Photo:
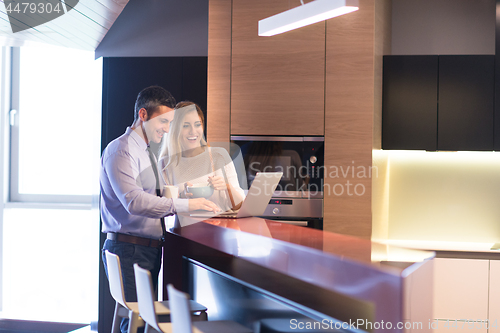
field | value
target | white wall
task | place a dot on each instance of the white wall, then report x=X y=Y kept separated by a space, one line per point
x=443 y=27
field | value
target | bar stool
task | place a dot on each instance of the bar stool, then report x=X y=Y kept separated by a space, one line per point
x=124 y=309
x=179 y=305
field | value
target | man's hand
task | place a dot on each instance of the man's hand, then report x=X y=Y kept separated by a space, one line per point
x=204 y=204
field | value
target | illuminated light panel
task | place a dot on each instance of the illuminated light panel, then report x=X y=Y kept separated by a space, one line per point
x=438 y=197
x=422 y=156
x=312 y=12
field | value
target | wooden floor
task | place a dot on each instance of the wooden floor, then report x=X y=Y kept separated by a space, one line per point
x=23 y=326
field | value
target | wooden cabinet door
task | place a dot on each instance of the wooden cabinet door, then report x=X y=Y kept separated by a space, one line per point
x=409 y=107
x=277 y=82
x=466 y=102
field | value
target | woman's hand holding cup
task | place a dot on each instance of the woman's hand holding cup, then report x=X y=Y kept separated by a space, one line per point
x=217 y=182
x=185 y=193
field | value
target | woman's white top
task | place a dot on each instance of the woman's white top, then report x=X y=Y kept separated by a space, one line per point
x=198 y=168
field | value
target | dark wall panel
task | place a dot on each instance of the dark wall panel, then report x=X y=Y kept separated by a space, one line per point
x=194 y=82
x=123 y=79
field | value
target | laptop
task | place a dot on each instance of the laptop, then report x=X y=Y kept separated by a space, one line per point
x=256 y=200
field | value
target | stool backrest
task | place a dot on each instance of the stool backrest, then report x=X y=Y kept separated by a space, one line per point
x=115 y=278
x=180 y=313
x=145 y=296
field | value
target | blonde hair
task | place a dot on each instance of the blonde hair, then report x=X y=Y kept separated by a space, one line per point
x=171 y=147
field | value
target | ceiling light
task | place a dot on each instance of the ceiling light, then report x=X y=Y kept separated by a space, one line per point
x=312 y=12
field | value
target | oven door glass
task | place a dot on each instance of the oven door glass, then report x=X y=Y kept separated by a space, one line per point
x=300 y=161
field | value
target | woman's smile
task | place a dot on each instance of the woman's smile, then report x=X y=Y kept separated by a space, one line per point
x=192 y=131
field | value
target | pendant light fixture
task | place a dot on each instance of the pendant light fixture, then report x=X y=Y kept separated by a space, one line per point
x=312 y=12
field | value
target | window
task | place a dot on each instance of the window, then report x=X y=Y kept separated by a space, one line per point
x=49 y=223
x=55 y=124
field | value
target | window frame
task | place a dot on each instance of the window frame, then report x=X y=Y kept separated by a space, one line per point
x=14 y=197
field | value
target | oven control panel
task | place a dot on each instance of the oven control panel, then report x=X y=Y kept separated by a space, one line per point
x=281 y=202
x=313 y=158
x=294 y=208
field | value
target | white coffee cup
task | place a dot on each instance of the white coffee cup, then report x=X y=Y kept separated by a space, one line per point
x=171 y=192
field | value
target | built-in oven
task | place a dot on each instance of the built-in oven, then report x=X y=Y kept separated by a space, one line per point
x=298 y=199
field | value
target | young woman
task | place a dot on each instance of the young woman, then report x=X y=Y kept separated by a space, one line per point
x=186 y=158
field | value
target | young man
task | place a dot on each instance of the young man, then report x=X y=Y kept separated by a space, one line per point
x=130 y=208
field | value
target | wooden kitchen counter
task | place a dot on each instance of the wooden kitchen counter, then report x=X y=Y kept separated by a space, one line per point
x=273 y=269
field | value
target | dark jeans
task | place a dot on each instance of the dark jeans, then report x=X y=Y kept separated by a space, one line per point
x=147 y=257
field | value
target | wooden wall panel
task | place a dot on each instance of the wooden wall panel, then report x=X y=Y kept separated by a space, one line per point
x=349 y=121
x=323 y=79
x=277 y=85
x=380 y=184
x=219 y=70
x=383 y=14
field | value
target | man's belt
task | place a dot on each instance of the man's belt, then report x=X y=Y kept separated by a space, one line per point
x=135 y=239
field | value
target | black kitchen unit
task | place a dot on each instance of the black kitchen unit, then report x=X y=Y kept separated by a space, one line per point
x=409 y=109
x=123 y=79
x=438 y=102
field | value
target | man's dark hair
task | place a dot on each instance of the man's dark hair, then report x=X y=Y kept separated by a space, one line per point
x=151 y=98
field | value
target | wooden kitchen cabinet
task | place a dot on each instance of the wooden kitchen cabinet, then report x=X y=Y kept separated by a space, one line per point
x=321 y=80
x=278 y=82
x=438 y=102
